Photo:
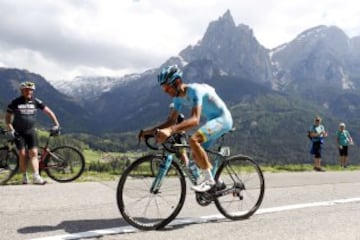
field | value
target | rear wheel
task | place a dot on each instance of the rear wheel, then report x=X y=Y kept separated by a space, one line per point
x=9 y=164
x=244 y=190
x=65 y=164
x=147 y=210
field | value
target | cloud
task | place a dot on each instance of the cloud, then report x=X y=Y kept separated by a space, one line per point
x=59 y=39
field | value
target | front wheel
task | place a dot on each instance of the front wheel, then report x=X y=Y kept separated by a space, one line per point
x=9 y=164
x=146 y=209
x=244 y=190
x=64 y=164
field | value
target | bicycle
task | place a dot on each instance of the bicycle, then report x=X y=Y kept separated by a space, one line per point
x=149 y=198
x=62 y=164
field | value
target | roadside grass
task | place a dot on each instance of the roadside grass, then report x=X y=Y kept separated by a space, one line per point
x=305 y=167
x=109 y=166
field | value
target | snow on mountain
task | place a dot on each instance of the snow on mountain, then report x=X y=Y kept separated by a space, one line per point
x=90 y=87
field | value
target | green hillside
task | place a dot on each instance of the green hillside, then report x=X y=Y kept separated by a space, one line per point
x=270 y=127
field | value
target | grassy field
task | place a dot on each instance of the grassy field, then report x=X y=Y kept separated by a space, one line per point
x=108 y=166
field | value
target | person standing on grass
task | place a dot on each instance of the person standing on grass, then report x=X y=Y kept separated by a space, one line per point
x=20 y=120
x=317 y=134
x=343 y=140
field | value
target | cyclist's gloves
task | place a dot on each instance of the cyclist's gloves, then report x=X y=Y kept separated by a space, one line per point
x=11 y=134
x=55 y=130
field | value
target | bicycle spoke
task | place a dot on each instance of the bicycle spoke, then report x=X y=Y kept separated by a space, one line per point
x=65 y=164
x=140 y=207
x=245 y=182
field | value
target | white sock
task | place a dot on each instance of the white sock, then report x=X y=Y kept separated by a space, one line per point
x=36 y=175
x=207 y=175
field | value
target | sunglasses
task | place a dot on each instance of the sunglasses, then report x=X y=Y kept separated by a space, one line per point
x=167 y=87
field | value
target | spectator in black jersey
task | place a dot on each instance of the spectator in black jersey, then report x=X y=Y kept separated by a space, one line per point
x=20 y=119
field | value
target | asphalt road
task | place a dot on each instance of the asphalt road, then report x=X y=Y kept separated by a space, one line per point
x=307 y=205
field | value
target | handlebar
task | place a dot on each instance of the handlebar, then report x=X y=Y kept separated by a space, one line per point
x=54 y=132
x=169 y=145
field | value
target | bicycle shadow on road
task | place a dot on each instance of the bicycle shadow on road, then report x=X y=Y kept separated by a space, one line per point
x=76 y=226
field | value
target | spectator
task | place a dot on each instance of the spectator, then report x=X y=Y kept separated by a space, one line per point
x=20 y=120
x=317 y=134
x=343 y=140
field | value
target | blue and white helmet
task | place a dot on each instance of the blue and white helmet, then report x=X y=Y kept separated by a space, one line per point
x=169 y=74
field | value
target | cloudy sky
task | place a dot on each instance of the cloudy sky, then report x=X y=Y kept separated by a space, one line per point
x=67 y=38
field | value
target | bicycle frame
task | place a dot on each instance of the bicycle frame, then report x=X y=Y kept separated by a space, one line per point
x=170 y=157
x=43 y=152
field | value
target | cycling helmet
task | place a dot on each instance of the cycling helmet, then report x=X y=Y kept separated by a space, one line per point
x=169 y=74
x=29 y=85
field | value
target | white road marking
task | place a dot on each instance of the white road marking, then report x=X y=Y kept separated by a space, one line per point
x=203 y=219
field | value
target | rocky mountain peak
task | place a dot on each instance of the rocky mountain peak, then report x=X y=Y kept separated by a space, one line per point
x=232 y=49
x=320 y=53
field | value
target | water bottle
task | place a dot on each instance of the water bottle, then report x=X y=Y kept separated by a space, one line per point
x=194 y=170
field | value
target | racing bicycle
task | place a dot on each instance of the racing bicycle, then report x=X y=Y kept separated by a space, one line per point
x=152 y=190
x=63 y=163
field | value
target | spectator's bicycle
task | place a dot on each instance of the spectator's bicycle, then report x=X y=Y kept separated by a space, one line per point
x=63 y=163
x=151 y=192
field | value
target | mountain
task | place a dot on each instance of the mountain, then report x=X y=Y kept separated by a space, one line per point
x=273 y=94
x=233 y=49
x=71 y=116
x=318 y=56
x=90 y=87
x=228 y=57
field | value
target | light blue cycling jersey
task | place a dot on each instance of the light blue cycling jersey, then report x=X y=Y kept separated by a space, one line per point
x=202 y=95
x=219 y=120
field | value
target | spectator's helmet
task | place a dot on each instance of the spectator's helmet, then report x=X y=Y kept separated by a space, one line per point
x=27 y=85
x=168 y=75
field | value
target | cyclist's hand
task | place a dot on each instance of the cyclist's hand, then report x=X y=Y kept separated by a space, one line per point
x=55 y=130
x=163 y=134
x=11 y=134
x=143 y=133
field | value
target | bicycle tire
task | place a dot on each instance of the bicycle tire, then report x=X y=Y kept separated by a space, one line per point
x=8 y=157
x=245 y=187
x=59 y=164
x=141 y=208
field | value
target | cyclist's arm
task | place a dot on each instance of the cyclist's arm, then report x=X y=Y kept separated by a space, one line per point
x=8 y=121
x=189 y=123
x=52 y=115
x=171 y=120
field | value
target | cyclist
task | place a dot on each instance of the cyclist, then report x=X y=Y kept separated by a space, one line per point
x=20 y=120
x=203 y=101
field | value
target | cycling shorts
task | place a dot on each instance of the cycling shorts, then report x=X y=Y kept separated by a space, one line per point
x=26 y=140
x=343 y=151
x=215 y=128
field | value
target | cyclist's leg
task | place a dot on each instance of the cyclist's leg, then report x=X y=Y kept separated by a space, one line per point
x=204 y=138
x=198 y=151
x=20 y=145
x=32 y=143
